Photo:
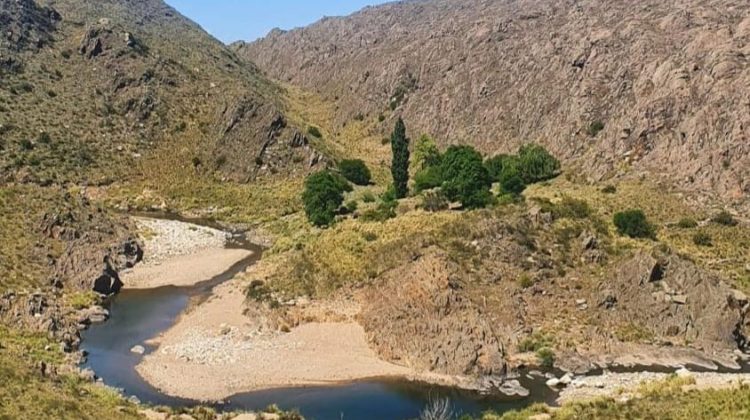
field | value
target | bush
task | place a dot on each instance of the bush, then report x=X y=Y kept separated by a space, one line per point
x=724 y=218
x=496 y=164
x=384 y=211
x=428 y=178
x=536 y=164
x=323 y=195
x=368 y=197
x=571 y=208
x=702 y=239
x=633 y=223
x=609 y=189
x=687 y=223
x=426 y=153
x=466 y=178
x=546 y=357
x=355 y=171
x=595 y=127
x=511 y=181
x=434 y=201
x=314 y=131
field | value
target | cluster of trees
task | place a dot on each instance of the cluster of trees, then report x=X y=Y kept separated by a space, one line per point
x=460 y=175
x=463 y=176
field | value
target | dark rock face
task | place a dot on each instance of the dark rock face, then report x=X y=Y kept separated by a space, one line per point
x=678 y=302
x=97 y=246
x=666 y=79
x=429 y=324
x=25 y=25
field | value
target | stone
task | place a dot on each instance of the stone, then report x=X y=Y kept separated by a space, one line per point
x=566 y=379
x=513 y=388
x=138 y=349
x=553 y=383
x=679 y=299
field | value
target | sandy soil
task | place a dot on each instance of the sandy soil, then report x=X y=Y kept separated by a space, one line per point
x=179 y=254
x=214 y=352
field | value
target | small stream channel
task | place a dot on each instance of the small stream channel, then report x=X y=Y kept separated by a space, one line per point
x=139 y=315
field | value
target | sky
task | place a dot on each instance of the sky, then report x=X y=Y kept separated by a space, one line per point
x=247 y=20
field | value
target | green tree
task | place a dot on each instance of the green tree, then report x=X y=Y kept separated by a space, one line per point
x=536 y=164
x=400 y=164
x=426 y=153
x=634 y=223
x=496 y=164
x=466 y=178
x=355 y=171
x=323 y=195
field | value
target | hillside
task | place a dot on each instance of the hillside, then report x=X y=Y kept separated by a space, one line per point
x=92 y=90
x=613 y=87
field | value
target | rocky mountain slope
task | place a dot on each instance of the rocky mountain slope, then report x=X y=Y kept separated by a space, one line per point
x=609 y=85
x=90 y=90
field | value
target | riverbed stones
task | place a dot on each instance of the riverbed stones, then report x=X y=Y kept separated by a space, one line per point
x=513 y=388
x=138 y=349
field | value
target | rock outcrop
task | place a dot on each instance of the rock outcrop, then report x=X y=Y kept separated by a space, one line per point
x=419 y=317
x=677 y=302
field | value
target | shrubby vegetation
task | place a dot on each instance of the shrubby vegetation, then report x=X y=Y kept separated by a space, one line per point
x=355 y=171
x=323 y=195
x=426 y=153
x=724 y=218
x=633 y=223
x=465 y=178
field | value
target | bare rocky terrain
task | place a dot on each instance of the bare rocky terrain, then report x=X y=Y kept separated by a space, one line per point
x=666 y=80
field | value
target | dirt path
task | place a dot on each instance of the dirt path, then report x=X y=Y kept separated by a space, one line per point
x=214 y=352
x=179 y=254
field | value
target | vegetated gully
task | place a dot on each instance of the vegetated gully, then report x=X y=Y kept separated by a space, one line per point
x=140 y=315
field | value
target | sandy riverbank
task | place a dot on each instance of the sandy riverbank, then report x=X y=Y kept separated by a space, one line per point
x=214 y=351
x=179 y=254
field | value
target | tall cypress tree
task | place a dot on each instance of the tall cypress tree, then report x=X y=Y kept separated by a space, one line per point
x=400 y=164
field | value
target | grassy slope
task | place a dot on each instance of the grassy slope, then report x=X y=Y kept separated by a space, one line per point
x=26 y=394
x=669 y=400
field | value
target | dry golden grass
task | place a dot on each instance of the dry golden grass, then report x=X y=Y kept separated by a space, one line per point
x=664 y=207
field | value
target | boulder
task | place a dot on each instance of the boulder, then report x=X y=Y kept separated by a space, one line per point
x=139 y=349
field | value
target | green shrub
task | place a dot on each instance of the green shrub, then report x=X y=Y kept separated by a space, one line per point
x=428 y=178
x=633 y=223
x=426 y=153
x=609 y=189
x=724 y=218
x=571 y=208
x=525 y=282
x=384 y=211
x=355 y=171
x=368 y=197
x=496 y=164
x=546 y=357
x=536 y=164
x=595 y=127
x=314 y=131
x=323 y=195
x=702 y=239
x=351 y=206
x=511 y=181
x=687 y=223
x=434 y=201
x=466 y=178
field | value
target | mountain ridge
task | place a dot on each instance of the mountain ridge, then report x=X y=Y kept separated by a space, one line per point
x=663 y=80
